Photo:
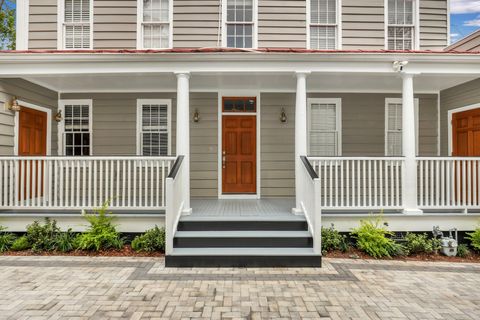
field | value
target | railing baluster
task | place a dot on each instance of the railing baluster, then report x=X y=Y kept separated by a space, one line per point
x=13 y=177
x=124 y=180
x=112 y=192
x=397 y=184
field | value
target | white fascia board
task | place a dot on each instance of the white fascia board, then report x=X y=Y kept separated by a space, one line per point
x=51 y=64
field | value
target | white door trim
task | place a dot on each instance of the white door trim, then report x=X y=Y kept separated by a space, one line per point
x=450 y=127
x=237 y=93
x=17 y=128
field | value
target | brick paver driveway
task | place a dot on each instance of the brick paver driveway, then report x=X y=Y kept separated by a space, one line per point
x=141 y=288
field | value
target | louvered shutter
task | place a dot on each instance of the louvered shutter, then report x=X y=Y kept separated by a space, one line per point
x=323 y=135
x=394 y=129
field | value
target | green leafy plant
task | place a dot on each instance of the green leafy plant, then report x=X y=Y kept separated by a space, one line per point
x=6 y=239
x=420 y=243
x=66 y=241
x=372 y=237
x=463 y=251
x=21 y=244
x=151 y=241
x=7 y=24
x=333 y=240
x=474 y=237
x=43 y=237
x=102 y=233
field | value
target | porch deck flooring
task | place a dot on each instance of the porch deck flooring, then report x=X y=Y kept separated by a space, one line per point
x=243 y=208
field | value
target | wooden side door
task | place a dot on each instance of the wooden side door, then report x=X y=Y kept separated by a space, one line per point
x=239 y=152
x=466 y=143
x=32 y=141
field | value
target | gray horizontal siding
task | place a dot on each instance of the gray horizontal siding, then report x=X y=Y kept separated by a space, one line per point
x=363 y=24
x=42 y=24
x=115 y=24
x=196 y=23
x=433 y=24
x=27 y=92
x=281 y=24
x=463 y=95
x=114 y=131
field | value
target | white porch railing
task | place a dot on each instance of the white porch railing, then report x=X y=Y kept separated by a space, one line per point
x=176 y=200
x=359 y=182
x=449 y=182
x=310 y=203
x=83 y=182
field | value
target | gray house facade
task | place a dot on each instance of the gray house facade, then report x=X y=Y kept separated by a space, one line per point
x=219 y=119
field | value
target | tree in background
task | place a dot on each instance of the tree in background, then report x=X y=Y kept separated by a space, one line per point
x=7 y=24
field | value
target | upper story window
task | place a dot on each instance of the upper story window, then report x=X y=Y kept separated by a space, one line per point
x=76 y=127
x=155 y=24
x=77 y=24
x=401 y=25
x=323 y=25
x=324 y=127
x=240 y=23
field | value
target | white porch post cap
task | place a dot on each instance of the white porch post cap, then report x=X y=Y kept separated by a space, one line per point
x=302 y=73
x=182 y=74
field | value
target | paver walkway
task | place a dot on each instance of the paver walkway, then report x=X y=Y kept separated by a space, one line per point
x=142 y=288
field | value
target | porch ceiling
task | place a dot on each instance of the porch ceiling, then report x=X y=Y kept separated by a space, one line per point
x=320 y=82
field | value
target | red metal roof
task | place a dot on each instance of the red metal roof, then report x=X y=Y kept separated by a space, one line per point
x=229 y=50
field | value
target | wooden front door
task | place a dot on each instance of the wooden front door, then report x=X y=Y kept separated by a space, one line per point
x=466 y=143
x=466 y=133
x=239 y=154
x=32 y=141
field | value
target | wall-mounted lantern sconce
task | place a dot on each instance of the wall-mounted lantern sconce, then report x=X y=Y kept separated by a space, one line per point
x=196 y=116
x=13 y=105
x=58 y=116
x=283 y=116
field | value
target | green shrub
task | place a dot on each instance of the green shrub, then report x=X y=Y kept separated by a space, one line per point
x=101 y=233
x=420 y=243
x=43 y=237
x=474 y=237
x=21 y=244
x=6 y=239
x=333 y=240
x=372 y=238
x=66 y=241
x=151 y=241
x=463 y=251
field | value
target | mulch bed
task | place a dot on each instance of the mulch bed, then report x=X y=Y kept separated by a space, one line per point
x=353 y=253
x=126 y=251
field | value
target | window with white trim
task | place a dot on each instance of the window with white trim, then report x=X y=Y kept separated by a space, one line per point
x=323 y=24
x=155 y=24
x=324 y=127
x=240 y=23
x=401 y=25
x=393 y=127
x=154 y=127
x=76 y=129
x=77 y=24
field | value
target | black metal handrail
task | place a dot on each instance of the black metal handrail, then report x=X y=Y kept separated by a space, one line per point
x=313 y=174
x=176 y=167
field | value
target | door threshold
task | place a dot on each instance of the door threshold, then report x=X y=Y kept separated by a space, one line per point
x=239 y=196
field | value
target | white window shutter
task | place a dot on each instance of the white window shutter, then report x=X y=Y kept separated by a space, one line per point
x=323 y=135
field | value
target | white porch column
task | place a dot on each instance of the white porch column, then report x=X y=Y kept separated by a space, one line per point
x=409 y=175
x=300 y=134
x=183 y=130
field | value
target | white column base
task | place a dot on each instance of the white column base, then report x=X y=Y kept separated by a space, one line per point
x=412 y=212
x=297 y=211
x=187 y=212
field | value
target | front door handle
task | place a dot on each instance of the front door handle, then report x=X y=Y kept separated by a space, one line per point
x=224 y=158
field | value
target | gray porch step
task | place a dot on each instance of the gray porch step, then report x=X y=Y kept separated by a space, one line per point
x=243 y=252
x=242 y=234
x=243 y=257
x=239 y=239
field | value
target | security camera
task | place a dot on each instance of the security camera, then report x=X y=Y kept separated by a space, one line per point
x=399 y=65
